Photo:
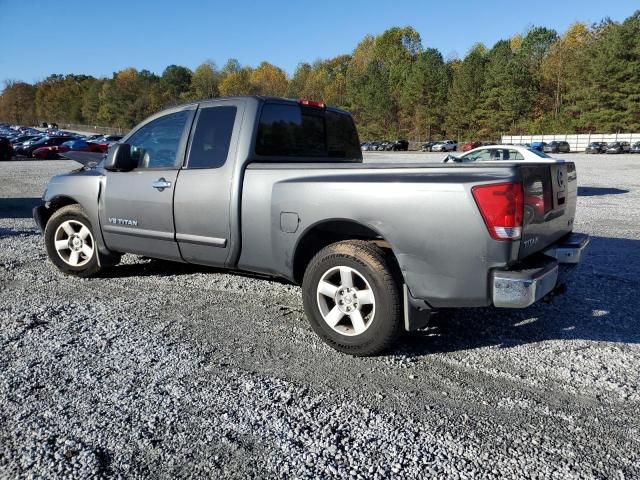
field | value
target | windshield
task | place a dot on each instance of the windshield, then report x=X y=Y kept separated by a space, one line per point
x=538 y=153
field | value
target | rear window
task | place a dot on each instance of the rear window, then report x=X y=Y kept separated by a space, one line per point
x=538 y=153
x=299 y=131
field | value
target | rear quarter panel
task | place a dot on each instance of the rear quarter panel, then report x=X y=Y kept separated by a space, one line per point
x=427 y=215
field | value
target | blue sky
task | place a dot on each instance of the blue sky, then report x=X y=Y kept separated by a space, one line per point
x=38 y=38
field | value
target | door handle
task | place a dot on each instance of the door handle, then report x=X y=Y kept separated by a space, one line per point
x=161 y=184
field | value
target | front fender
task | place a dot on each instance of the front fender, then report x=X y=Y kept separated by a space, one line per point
x=81 y=187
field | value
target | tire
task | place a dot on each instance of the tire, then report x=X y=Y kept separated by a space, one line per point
x=80 y=257
x=373 y=296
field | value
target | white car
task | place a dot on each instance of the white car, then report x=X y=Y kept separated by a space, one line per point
x=445 y=146
x=509 y=153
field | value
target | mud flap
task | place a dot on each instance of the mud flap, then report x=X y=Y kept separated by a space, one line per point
x=416 y=312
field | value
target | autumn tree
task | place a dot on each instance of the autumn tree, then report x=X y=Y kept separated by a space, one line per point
x=17 y=102
x=562 y=61
x=586 y=79
x=204 y=82
x=268 y=79
x=237 y=83
x=175 y=82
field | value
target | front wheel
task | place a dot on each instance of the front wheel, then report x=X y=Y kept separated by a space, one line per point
x=352 y=299
x=70 y=242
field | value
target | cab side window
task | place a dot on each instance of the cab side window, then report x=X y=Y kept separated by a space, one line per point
x=212 y=137
x=156 y=144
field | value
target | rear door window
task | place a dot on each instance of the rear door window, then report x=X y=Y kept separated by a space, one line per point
x=483 y=155
x=212 y=137
x=515 y=155
x=299 y=131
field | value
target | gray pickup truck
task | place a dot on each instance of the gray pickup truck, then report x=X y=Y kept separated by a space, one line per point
x=278 y=187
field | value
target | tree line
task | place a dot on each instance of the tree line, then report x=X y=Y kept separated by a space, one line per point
x=584 y=80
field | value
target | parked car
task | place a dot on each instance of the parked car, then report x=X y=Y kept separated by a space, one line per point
x=613 y=147
x=6 y=149
x=79 y=146
x=445 y=146
x=19 y=147
x=106 y=141
x=49 y=152
x=596 y=147
x=23 y=138
x=538 y=145
x=508 y=153
x=426 y=147
x=626 y=147
x=48 y=141
x=557 y=147
x=398 y=145
x=91 y=138
x=471 y=145
x=635 y=148
x=364 y=242
x=375 y=146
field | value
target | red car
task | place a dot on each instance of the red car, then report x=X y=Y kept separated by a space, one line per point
x=471 y=145
x=51 y=152
x=79 y=146
x=46 y=153
x=105 y=142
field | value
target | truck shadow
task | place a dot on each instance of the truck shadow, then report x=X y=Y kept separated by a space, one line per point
x=601 y=304
x=18 y=207
x=149 y=267
x=597 y=191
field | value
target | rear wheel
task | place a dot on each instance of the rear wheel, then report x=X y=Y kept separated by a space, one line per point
x=351 y=298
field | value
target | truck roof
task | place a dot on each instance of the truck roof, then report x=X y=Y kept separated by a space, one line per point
x=257 y=98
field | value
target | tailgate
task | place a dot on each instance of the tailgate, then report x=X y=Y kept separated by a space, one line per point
x=550 y=194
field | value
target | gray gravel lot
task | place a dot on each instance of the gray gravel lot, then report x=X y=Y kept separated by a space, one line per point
x=161 y=370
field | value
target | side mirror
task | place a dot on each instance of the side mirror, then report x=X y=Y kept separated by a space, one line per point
x=119 y=158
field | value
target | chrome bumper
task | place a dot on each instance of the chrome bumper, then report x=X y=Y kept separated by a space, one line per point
x=521 y=288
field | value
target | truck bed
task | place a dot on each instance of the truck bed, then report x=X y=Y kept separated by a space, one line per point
x=426 y=213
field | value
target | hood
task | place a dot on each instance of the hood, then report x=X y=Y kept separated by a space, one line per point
x=86 y=159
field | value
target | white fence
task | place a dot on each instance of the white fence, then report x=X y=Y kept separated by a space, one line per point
x=576 y=142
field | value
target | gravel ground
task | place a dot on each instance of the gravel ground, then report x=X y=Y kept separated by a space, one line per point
x=162 y=370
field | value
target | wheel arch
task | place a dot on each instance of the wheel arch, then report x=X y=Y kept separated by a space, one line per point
x=54 y=204
x=328 y=231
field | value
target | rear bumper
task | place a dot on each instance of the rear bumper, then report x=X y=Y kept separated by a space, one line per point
x=523 y=287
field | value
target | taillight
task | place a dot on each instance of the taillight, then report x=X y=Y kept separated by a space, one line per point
x=501 y=206
x=311 y=103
